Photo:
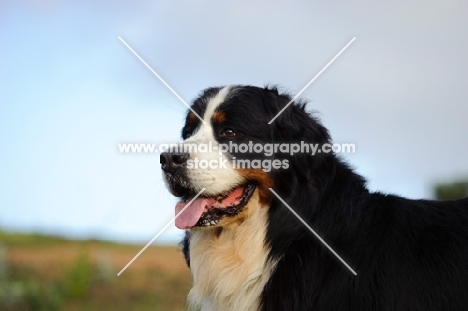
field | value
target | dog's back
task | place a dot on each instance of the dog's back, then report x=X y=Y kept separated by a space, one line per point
x=409 y=255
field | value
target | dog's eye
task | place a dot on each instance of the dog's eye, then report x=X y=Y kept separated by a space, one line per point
x=228 y=133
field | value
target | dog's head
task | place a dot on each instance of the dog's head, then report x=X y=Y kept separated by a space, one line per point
x=232 y=153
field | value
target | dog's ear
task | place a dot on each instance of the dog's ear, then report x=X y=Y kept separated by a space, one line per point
x=296 y=126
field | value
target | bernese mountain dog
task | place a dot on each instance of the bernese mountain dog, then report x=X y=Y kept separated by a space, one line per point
x=247 y=251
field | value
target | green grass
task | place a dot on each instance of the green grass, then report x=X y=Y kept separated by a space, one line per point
x=16 y=239
x=40 y=272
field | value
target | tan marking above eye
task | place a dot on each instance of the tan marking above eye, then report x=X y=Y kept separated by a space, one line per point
x=191 y=117
x=219 y=117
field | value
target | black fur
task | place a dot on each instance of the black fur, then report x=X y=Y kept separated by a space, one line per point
x=408 y=254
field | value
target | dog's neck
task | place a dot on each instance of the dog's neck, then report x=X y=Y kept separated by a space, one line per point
x=230 y=265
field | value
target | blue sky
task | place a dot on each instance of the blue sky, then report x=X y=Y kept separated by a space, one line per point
x=70 y=91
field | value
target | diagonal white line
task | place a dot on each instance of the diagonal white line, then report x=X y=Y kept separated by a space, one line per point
x=161 y=231
x=312 y=230
x=161 y=79
x=313 y=79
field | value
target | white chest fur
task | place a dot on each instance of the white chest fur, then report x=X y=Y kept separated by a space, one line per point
x=230 y=269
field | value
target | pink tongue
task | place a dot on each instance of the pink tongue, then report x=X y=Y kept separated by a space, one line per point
x=190 y=216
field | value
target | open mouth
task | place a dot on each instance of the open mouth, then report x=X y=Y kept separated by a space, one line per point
x=208 y=211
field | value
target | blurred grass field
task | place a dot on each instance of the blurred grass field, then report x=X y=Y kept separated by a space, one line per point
x=47 y=273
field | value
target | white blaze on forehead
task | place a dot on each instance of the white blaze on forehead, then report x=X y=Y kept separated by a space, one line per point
x=205 y=132
x=215 y=102
x=216 y=180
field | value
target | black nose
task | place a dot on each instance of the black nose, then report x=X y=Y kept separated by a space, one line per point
x=171 y=162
